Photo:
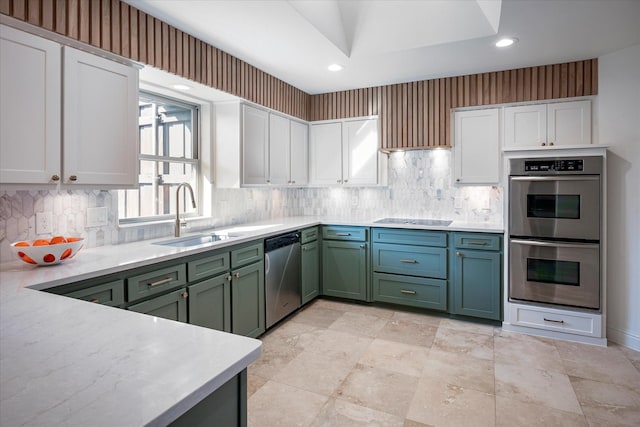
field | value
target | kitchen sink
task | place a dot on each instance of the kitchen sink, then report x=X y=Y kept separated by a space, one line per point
x=188 y=241
x=413 y=221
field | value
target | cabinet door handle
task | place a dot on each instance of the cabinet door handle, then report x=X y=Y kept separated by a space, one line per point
x=409 y=261
x=184 y=295
x=551 y=143
x=458 y=254
x=55 y=177
x=304 y=248
x=160 y=282
x=229 y=277
x=339 y=181
x=95 y=301
x=73 y=178
x=478 y=243
x=544 y=144
x=406 y=292
x=343 y=234
x=346 y=180
x=363 y=246
x=552 y=321
x=237 y=275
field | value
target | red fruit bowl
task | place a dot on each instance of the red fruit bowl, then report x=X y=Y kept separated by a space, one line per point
x=48 y=251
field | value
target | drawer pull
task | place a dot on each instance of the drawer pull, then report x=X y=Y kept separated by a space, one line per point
x=184 y=295
x=95 y=300
x=343 y=234
x=553 y=321
x=478 y=243
x=363 y=246
x=409 y=261
x=406 y=292
x=458 y=254
x=160 y=282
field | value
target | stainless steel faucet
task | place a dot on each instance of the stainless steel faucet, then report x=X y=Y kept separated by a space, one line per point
x=182 y=222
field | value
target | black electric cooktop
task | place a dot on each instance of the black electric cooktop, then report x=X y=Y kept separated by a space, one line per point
x=413 y=221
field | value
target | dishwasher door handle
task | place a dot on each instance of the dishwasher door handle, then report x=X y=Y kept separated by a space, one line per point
x=267 y=263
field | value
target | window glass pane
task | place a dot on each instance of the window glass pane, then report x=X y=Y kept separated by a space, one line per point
x=174 y=131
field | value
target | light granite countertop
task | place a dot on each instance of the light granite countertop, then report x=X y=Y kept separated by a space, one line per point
x=66 y=361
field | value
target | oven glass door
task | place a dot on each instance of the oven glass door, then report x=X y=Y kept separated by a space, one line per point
x=555 y=272
x=555 y=207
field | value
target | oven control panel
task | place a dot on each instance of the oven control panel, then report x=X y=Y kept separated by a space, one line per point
x=564 y=165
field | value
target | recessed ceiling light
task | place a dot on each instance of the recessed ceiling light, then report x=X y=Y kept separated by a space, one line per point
x=181 y=87
x=335 y=67
x=507 y=41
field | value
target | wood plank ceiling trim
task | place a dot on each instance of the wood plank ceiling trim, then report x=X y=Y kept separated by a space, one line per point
x=412 y=115
x=124 y=30
x=416 y=114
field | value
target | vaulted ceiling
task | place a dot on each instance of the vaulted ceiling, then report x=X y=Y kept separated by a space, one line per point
x=385 y=41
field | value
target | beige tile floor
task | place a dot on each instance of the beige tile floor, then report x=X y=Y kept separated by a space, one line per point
x=341 y=364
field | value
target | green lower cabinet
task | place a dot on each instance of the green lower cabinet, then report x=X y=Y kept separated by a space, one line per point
x=171 y=306
x=210 y=303
x=310 y=270
x=344 y=269
x=247 y=300
x=413 y=291
x=477 y=283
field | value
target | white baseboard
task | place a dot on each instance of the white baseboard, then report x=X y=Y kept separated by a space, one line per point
x=624 y=338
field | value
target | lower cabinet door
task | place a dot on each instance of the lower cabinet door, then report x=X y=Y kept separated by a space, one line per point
x=210 y=303
x=171 y=306
x=247 y=300
x=310 y=263
x=344 y=269
x=477 y=284
x=412 y=291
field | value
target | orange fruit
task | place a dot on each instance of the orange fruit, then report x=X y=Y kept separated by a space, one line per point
x=22 y=244
x=41 y=242
x=57 y=240
x=73 y=239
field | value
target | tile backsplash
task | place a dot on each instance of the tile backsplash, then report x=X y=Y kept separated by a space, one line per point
x=419 y=186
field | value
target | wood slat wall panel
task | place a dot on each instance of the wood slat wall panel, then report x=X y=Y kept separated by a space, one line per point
x=417 y=115
x=412 y=115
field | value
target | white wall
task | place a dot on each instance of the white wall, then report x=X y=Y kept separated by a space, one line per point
x=619 y=127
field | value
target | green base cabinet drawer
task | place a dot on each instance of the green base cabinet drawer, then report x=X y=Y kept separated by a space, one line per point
x=154 y=282
x=210 y=303
x=410 y=237
x=111 y=293
x=478 y=241
x=413 y=291
x=247 y=254
x=171 y=306
x=208 y=267
x=411 y=260
x=309 y=235
x=339 y=232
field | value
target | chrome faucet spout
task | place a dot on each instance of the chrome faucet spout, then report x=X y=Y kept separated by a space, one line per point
x=182 y=223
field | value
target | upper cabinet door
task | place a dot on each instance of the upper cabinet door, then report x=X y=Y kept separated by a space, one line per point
x=30 y=103
x=569 y=123
x=279 y=156
x=477 y=146
x=299 y=153
x=360 y=152
x=525 y=126
x=100 y=121
x=325 y=154
x=255 y=146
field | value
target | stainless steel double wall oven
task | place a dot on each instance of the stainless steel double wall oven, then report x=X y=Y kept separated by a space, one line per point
x=555 y=230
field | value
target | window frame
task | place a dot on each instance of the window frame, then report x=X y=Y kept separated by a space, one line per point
x=195 y=161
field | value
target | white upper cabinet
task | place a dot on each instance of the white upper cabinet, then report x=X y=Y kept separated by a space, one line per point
x=545 y=125
x=279 y=153
x=344 y=153
x=30 y=138
x=299 y=153
x=67 y=116
x=477 y=146
x=100 y=121
x=255 y=148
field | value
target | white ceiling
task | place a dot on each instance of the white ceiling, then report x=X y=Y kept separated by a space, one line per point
x=386 y=41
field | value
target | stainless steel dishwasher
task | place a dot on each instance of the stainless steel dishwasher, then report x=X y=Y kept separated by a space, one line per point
x=282 y=276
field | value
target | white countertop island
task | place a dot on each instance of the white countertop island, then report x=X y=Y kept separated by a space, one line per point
x=69 y=362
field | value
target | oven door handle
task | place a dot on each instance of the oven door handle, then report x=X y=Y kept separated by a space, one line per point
x=556 y=178
x=555 y=244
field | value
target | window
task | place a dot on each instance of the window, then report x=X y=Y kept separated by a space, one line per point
x=168 y=156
